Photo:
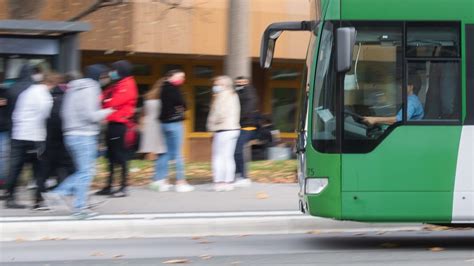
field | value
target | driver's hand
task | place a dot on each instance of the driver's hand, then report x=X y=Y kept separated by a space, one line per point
x=369 y=120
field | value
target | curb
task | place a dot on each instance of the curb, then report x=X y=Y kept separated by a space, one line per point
x=178 y=225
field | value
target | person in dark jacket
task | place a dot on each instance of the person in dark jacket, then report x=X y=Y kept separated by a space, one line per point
x=57 y=161
x=172 y=117
x=121 y=96
x=8 y=100
x=4 y=135
x=248 y=127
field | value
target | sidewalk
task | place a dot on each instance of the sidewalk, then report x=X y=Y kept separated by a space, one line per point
x=259 y=209
x=258 y=197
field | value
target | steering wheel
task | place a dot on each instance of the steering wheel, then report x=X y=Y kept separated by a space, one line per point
x=372 y=130
x=356 y=117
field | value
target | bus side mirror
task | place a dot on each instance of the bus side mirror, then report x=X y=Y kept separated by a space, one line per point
x=271 y=34
x=345 y=44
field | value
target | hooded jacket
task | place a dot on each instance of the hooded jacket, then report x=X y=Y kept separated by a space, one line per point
x=81 y=111
x=122 y=95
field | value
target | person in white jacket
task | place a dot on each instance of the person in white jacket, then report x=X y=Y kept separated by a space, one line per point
x=31 y=110
x=223 y=120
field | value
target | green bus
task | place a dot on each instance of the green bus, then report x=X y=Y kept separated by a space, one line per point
x=386 y=128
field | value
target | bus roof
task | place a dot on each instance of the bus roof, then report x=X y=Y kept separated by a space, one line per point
x=413 y=10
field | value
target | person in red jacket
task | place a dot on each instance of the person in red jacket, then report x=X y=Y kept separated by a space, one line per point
x=122 y=97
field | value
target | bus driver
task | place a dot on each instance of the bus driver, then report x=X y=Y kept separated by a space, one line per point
x=414 y=110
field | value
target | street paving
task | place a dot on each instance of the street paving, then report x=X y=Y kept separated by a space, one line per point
x=446 y=247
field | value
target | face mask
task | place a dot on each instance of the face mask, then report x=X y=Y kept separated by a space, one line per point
x=238 y=88
x=177 y=83
x=114 y=75
x=217 y=89
x=38 y=77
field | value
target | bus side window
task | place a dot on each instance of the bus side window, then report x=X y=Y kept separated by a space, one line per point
x=433 y=53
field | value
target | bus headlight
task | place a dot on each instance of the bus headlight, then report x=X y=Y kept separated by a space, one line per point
x=315 y=185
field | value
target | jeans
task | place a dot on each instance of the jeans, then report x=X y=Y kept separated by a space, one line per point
x=223 y=163
x=22 y=151
x=173 y=134
x=83 y=150
x=4 y=155
x=244 y=137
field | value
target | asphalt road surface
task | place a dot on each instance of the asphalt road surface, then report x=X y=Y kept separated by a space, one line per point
x=450 y=247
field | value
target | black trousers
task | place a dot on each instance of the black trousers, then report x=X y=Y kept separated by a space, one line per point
x=57 y=162
x=22 y=151
x=117 y=153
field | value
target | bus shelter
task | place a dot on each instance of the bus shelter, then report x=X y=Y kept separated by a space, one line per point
x=45 y=44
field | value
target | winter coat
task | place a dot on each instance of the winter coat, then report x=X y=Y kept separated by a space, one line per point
x=173 y=104
x=248 y=106
x=122 y=97
x=225 y=112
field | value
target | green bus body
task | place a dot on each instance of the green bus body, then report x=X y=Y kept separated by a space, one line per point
x=416 y=172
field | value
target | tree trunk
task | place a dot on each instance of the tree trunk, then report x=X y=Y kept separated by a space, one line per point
x=238 y=61
x=24 y=9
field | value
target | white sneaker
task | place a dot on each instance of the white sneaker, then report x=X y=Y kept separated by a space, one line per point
x=183 y=188
x=56 y=201
x=161 y=186
x=228 y=187
x=243 y=182
x=219 y=187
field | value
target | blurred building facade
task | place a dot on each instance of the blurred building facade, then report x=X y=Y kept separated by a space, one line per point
x=159 y=35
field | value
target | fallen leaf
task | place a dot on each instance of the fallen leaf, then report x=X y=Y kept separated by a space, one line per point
x=436 y=249
x=204 y=241
x=196 y=237
x=19 y=239
x=205 y=257
x=243 y=235
x=381 y=233
x=46 y=238
x=389 y=245
x=117 y=256
x=314 y=232
x=359 y=234
x=262 y=195
x=97 y=254
x=176 y=261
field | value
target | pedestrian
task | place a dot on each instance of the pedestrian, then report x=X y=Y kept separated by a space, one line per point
x=151 y=140
x=172 y=117
x=31 y=109
x=121 y=95
x=4 y=135
x=223 y=121
x=56 y=161
x=248 y=122
x=81 y=114
x=11 y=91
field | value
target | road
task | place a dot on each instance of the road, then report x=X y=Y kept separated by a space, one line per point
x=452 y=247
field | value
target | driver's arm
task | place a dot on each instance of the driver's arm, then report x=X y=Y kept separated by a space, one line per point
x=379 y=120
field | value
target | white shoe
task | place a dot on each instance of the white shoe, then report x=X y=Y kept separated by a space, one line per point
x=228 y=187
x=219 y=187
x=243 y=182
x=56 y=201
x=183 y=188
x=161 y=186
